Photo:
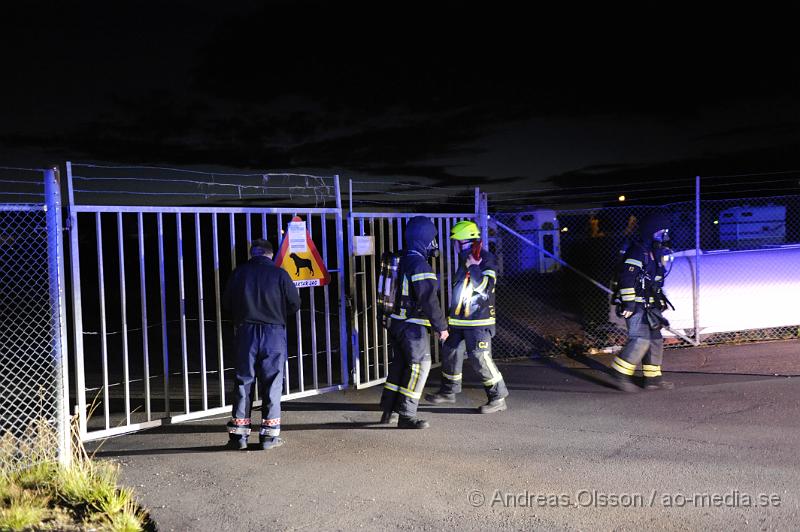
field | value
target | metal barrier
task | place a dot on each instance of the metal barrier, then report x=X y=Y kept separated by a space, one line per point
x=381 y=232
x=34 y=416
x=150 y=340
x=735 y=262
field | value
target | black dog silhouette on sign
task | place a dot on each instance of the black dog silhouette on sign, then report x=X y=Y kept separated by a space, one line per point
x=300 y=263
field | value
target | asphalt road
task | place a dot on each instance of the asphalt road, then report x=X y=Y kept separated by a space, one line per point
x=719 y=451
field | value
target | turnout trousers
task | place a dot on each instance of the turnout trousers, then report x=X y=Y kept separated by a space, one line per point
x=644 y=345
x=261 y=352
x=476 y=344
x=409 y=368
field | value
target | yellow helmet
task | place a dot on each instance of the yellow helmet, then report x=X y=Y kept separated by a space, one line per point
x=465 y=230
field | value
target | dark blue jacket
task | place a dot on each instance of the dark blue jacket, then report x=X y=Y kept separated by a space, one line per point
x=260 y=292
x=418 y=285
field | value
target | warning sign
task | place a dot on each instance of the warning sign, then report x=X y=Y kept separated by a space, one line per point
x=299 y=256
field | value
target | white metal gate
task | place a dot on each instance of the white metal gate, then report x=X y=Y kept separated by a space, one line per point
x=369 y=339
x=150 y=340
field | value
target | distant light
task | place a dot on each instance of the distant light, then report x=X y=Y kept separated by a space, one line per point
x=564 y=229
x=621 y=198
x=716 y=222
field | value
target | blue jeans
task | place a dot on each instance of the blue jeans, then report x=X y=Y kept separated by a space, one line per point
x=260 y=351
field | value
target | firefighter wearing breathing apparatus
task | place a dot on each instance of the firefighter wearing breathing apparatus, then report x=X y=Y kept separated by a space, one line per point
x=472 y=322
x=641 y=303
x=416 y=310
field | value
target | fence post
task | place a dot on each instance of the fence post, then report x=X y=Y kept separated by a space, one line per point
x=340 y=275
x=696 y=291
x=55 y=263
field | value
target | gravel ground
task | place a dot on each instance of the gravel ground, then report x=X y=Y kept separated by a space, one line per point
x=570 y=453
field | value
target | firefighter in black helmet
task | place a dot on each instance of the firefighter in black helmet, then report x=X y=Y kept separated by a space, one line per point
x=642 y=298
x=417 y=311
x=471 y=320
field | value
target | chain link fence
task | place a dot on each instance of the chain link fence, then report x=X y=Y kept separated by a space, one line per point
x=556 y=268
x=33 y=422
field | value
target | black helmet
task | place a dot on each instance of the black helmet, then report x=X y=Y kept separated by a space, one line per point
x=651 y=224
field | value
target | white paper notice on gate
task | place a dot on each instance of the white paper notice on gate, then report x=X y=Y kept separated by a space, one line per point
x=297 y=237
x=363 y=245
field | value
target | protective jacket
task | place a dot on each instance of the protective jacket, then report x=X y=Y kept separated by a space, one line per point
x=417 y=300
x=642 y=277
x=472 y=303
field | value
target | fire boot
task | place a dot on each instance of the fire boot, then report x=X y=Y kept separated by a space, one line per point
x=238 y=433
x=657 y=383
x=495 y=405
x=412 y=423
x=623 y=383
x=389 y=417
x=269 y=442
x=440 y=397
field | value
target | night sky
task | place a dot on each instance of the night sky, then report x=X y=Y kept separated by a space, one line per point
x=486 y=95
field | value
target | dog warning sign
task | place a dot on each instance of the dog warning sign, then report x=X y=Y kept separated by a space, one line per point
x=299 y=256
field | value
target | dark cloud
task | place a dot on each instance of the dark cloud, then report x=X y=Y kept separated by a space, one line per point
x=397 y=90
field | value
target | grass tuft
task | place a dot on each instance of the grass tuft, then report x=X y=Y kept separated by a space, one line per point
x=37 y=492
x=25 y=510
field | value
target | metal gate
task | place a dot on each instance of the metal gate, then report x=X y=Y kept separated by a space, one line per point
x=151 y=343
x=369 y=339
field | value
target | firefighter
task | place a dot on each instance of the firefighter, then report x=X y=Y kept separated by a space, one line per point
x=643 y=300
x=417 y=310
x=472 y=322
x=260 y=296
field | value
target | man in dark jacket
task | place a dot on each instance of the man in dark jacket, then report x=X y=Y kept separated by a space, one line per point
x=641 y=292
x=260 y=296
x=472 y=321
x=417 y=310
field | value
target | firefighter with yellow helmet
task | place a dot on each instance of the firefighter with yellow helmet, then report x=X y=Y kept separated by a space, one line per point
x=471 y=321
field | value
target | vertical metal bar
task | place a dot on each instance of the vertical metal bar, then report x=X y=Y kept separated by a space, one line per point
x=143 y=297
x=218 y=311
x=326 y=294
x=353 y=284
x=373 y=286
x=696 y=292
x=182 y=300
x=450 y=261
x=438 y=270
x=201 y=316
x=55 y=270
x=249 y=231
x=390 y=229
x=340 y=275
x=286 y=365
x=379 y=246
x=124 y=318
x=77 y=308
x=312 y=292
x=299 y=320
x=264 y=225
x=364 y=309
x=233 y=246
x=102 y=295
x=163 y=289
x=233 y=240
x=444 y=239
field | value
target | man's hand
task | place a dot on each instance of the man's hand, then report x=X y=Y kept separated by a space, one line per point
x=472 y=261
x=443 y=335
x=627 y=314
